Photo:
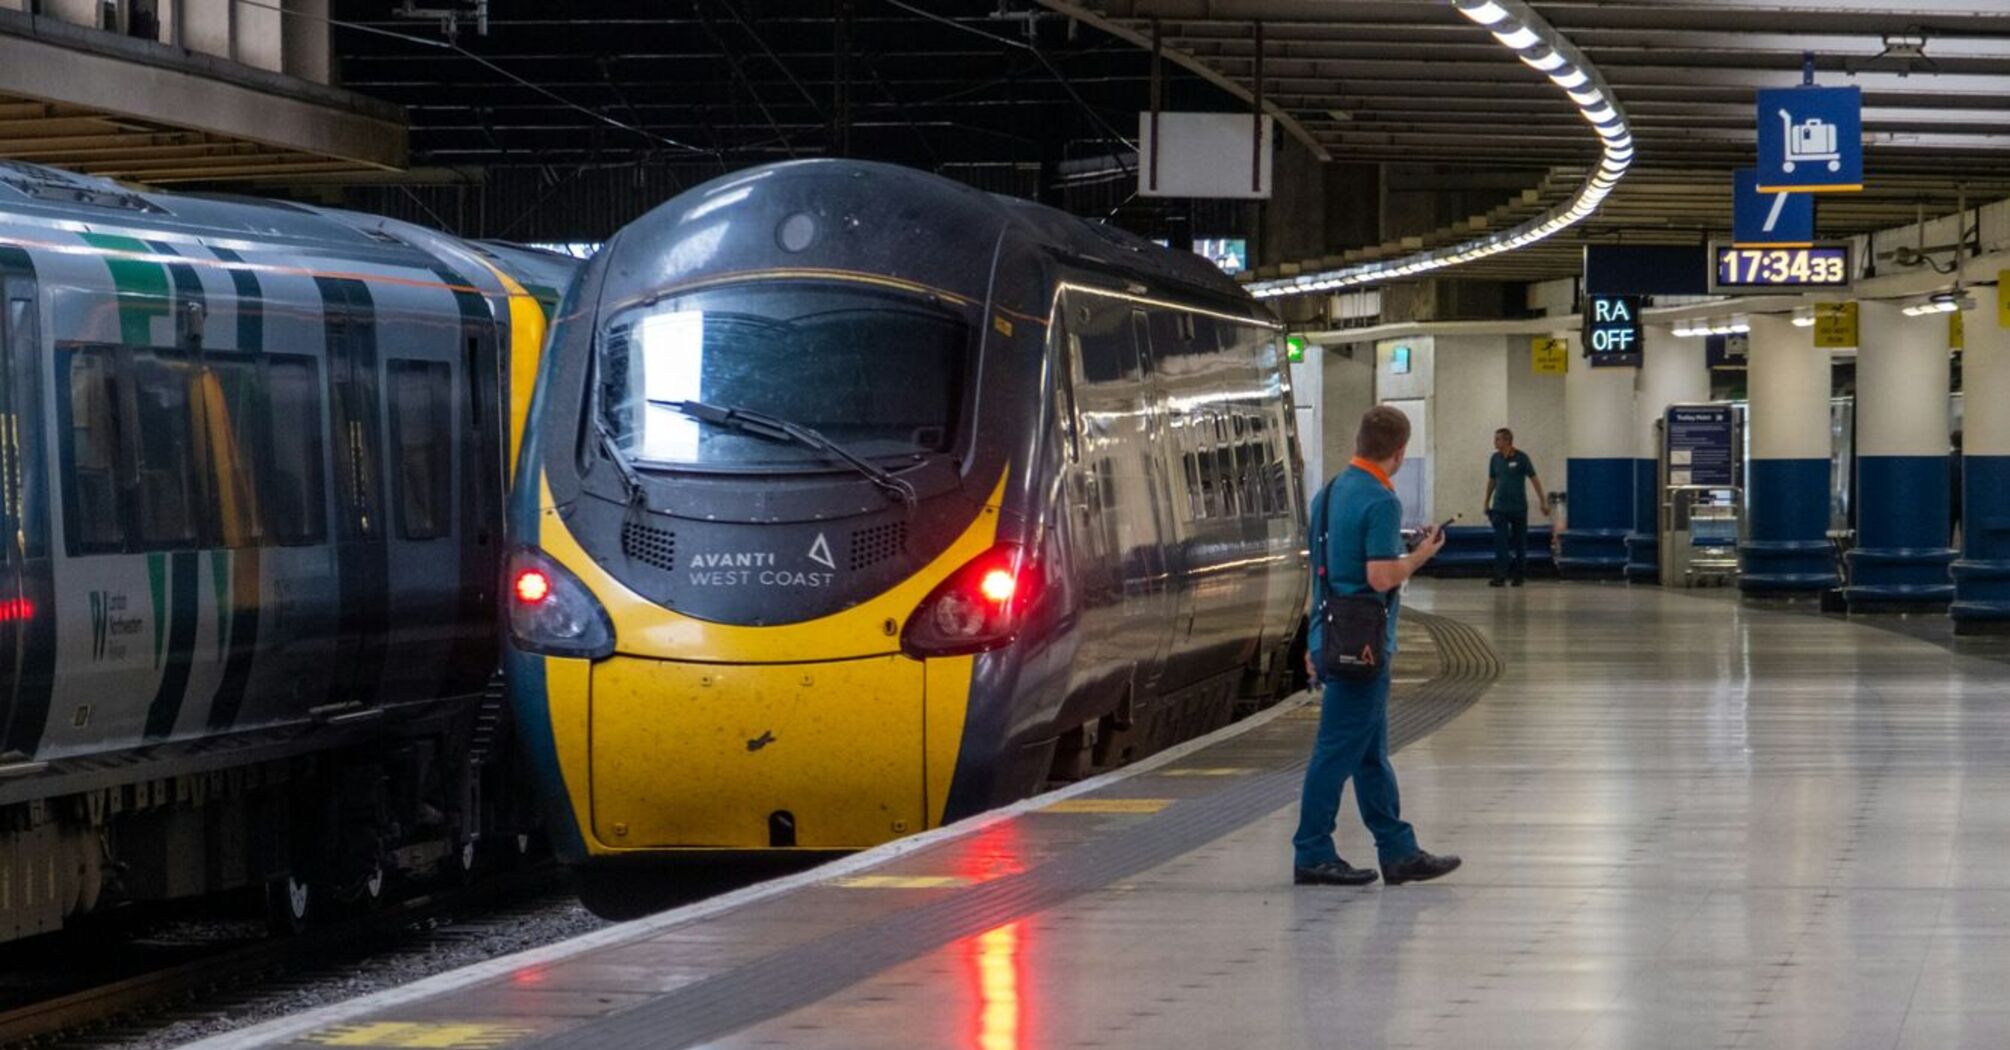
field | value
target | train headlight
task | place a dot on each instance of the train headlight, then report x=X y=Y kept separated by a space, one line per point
x=552 y=612
x=980 y=606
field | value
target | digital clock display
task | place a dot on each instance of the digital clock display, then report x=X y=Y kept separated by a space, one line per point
x=1821 y=266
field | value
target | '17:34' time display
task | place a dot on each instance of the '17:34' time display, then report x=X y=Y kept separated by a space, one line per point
x=1820 y=267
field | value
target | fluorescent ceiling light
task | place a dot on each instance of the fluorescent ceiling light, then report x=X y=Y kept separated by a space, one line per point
x=1485 y=14
x=1520 y=27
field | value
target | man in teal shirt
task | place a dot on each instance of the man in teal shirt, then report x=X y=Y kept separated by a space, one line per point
x=1509 y=474
x=1357 y=548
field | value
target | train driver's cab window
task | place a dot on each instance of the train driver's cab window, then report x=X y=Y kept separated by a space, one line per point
x=878 y=371
x=422 y=433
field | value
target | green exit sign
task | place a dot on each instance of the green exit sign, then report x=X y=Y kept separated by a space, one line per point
x=1294 y=348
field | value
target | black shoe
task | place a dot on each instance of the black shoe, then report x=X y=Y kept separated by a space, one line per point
x=1514 y=583
x=1419 y=867
x=1332 y=873
x=1496 y=583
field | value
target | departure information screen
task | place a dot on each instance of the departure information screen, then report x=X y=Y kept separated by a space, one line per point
x=1824 y=267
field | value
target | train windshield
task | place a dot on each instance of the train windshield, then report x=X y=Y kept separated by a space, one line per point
x=878 y=372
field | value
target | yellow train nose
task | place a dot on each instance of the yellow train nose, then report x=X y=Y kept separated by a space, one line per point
x=825 y=755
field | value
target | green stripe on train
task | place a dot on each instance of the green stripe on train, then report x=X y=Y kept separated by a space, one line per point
x=142 y=287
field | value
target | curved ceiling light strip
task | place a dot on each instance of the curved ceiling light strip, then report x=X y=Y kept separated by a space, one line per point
x=1539 y=46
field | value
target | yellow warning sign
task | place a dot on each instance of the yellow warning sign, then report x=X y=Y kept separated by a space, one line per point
x=1550 y=357
x=1835 y=325
x=901 y=882
x=422 y=1035
x=1109 y=805
x=1957 y=332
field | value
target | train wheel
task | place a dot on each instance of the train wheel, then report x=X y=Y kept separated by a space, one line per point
x=290 y=905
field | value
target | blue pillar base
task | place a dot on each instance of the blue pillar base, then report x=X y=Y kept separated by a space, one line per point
x=1601 y=514
x=1788 y=553
x=1982 y=576
x=1785 y=568
x=1981 y=595
x=1902 y=579
x=1902 y=557
x=1643 y=557
x=1592 y=554
x=1643 y=546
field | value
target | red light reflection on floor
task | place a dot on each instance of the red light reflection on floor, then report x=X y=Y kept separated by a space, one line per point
x=993 y=853
x=529 y=975
x=997 y=966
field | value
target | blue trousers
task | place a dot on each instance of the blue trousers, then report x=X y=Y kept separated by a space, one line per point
x=1510 y=544
x=1353 y=742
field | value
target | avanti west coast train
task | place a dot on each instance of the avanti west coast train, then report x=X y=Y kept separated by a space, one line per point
x=855 y=501
x=251 y=486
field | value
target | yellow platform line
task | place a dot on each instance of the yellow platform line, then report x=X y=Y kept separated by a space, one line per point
x=1109 y=805
x=421 y=1035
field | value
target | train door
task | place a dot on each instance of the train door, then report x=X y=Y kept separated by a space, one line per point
x=362 y=593
x=18 y=337
x=1157 y=603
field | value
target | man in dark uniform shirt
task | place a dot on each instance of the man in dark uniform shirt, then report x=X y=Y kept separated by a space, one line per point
x=1508 y=476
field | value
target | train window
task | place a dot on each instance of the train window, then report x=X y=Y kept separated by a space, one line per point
x=422 y=437
x=295 y=503
x=91 y=451
x=161 y=436
x=230 y=440
x=843 y=347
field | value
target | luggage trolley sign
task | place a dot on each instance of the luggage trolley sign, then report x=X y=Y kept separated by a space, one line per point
x=1612 y=330
x=1699 y=445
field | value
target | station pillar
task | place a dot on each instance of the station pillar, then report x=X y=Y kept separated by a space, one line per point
x=1902 y=553
x=1598 y=424
x=1786 y=550
x=1672 y=371
x=1982 y=575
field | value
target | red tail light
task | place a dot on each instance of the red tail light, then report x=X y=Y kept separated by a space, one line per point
x=532 y=586
x=980 y=606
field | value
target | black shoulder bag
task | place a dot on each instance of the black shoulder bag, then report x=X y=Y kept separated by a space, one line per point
x=1354 y=628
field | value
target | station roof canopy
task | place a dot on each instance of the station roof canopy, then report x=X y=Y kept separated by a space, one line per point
x=1412 y=81
x=103 y=103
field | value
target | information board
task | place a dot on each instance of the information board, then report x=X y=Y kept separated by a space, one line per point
x=1810 y=139
x=1701 y=440
x=1769 y=220
x=1786 y=270
x=1612 y=332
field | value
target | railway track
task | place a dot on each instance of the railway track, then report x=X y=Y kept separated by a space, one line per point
x=215 y=983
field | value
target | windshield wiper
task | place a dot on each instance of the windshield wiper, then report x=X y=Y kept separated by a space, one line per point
x=631 y=482
x=760 y=424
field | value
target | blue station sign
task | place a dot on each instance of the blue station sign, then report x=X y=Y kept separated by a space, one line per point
x=1810 y=140
x=1769 y=220
x=1612 y=330
x=1700 y=440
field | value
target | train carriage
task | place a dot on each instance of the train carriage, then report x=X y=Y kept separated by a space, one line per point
x=253 y=475
x=856 y=501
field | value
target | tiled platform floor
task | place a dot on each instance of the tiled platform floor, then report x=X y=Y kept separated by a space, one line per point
x=1686 y=824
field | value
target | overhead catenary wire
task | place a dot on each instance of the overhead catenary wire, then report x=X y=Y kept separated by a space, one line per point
x=448 y=45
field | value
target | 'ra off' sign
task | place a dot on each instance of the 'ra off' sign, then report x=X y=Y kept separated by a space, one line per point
x=1612 y=330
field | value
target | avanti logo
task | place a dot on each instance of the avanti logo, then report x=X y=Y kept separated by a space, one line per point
x=820 y=552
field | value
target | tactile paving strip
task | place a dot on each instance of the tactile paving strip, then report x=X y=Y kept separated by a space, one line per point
x=806 y=973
